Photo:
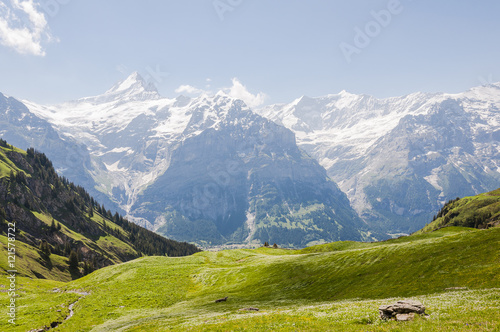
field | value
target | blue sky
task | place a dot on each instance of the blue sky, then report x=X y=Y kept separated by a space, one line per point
x=58 y=50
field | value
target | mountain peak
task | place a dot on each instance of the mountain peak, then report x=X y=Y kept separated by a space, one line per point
x=134 y=82
x=133 y=88
x=488 y=91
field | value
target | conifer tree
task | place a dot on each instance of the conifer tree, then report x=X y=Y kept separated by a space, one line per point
x=79 y=255
x=53 y=227
x=3 y=215
x=45 y=248
x=67 y=248
x=85 y=268
x=73 y=260
x=93 y=263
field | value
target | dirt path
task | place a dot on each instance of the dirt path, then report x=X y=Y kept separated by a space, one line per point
x=72 y=305
x=55 y=324
x=71 y=312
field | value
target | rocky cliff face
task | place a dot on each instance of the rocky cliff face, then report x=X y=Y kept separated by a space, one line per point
x=246 y=180
x=400 y=159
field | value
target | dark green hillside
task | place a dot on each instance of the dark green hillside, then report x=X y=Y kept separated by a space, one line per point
x=481 y=211
x=56 y=220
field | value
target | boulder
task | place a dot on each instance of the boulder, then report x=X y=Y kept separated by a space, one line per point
x=406 y=310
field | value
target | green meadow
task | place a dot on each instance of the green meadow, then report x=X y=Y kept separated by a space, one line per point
x=339 y=286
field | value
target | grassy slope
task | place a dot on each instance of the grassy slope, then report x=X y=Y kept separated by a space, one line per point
x=102 y=238
x=118 y=247
x=109 y=245
x=340 y=284
x=37 y=296
x=465 y=211
x=6 y=165
x=31 y=263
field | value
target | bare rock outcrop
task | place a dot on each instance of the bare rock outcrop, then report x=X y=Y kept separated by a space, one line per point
x=401 y=310
x=224 y=299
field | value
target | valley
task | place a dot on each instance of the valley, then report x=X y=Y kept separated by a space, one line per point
x=212 y=171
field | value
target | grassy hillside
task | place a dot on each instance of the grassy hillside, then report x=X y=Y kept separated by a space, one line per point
x=55 y=219
x=481 y=211
x=336 y=286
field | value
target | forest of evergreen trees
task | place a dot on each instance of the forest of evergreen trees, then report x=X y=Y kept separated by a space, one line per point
x=40 y=189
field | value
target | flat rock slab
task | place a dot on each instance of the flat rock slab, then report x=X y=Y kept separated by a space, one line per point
x=249 y=309
x=405 y=317
x=405 y=307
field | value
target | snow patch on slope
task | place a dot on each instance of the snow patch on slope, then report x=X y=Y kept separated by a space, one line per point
x=131 y=132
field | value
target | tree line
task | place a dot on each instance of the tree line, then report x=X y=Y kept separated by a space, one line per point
x=36 y=187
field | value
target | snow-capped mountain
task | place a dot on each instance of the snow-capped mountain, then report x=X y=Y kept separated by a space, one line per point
x=129 y=130
x=23 y=129
x=399 y=159
x=206 y=169
x=163 y=160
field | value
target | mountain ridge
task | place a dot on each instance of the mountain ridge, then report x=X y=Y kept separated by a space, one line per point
x=370 y=147
x=133 y=143
x=366 y=143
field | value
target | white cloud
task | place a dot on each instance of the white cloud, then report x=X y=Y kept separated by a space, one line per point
x=236 y=91
x=23 y=27
x=239 y=91
x=189 y=89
